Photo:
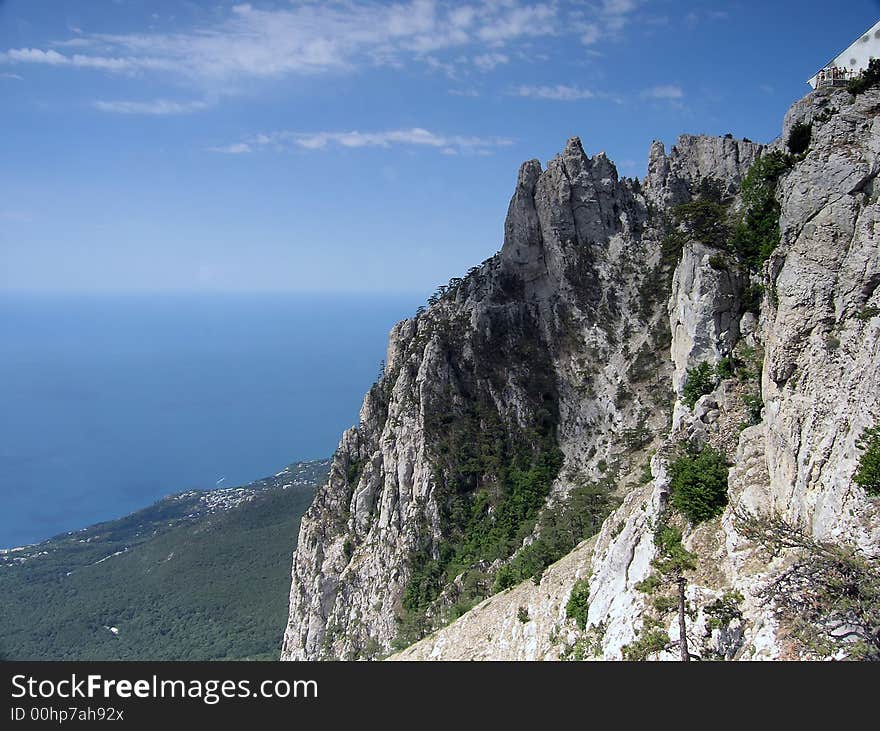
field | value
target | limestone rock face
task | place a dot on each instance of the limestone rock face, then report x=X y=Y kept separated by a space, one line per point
x=671 y=179
x=510 y=336
x=822 y=366
x=704 y=310
x=582 y=322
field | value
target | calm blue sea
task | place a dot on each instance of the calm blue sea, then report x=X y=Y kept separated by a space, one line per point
x=108 y=403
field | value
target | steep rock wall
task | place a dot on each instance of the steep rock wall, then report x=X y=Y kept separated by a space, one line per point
x=819 y=335
x=582 y=330
x=540 y=337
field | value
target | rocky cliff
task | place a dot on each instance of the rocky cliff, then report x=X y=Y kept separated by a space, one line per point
x=559 y=391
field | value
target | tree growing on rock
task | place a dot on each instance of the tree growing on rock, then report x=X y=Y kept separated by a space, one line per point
x=671 y=562
x=828 y=597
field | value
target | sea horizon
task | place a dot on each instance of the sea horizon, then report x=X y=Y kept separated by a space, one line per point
x=114 y=400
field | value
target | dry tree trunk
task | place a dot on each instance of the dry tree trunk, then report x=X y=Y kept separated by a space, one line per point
x=682 y=627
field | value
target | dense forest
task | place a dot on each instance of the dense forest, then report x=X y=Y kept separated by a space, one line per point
x=197 y=576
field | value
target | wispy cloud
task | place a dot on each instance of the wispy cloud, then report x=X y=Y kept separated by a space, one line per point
x=694 y=18
x=663 y=91
x=158 y=107
x=14 y=77
x=560 y=92
x=590 y=34
x=412 y=137
x=334 y=36
x=615 y=14
x=239 y=148
x=488 y=61
x=516 y=21
x=52 y=57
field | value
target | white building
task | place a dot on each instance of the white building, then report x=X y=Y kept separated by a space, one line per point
x=850 y=62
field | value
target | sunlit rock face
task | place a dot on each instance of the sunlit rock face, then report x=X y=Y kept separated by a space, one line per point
x=586 y=321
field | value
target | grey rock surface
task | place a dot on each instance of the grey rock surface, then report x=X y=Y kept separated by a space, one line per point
x=579 y=292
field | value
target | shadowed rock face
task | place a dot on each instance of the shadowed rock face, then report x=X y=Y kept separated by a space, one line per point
x=579 y=332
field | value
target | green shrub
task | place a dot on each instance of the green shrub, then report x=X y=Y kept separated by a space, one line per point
x=578 y=604
x=649 y=584
x=652 y=639
x=756 y=234
x=622 y=396
x=664 y=603
x=749 y=363
x=672 y=557
x=750 y=300
x=704 y=220
x=355 y=468
x=698 y=489
x=711 y=189
x=754 y=403
x=799 y=138
x=700 y=381
x=825 y=115
x=522 y=614
x=725 y=610
x=724 y=367
x=560 y=529
x=868 y=78
x=867 y=475
x=645 y=475
x=636 y=437
x=718 y=262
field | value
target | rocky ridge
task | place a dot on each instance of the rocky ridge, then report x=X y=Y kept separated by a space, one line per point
x=579 y=336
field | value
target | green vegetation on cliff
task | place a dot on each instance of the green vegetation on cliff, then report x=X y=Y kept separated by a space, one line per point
x=492 y=476
x=756 y=234
x=698 y=489
x=870 y=77
x=867 y=475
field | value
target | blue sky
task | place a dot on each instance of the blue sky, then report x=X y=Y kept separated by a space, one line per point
x=349 y=146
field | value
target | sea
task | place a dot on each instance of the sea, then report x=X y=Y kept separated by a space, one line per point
x=111 y=402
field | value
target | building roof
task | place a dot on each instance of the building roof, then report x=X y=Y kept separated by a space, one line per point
x=857 y=55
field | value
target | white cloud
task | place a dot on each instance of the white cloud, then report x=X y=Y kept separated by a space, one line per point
x=14 y=77
x=73 y=43
x=159 y=107
x=464 y=92
x=412 y=137
x=239 y=148
x=560 y=92
x=336 y=35
x=518 y=21
x=435 y=64
x=488 y=61
x=618 y=7
x=664 y=91
x=590 y=34
x=603 y=20
x=33 y=55
x=698 y=17
x=79 y=60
